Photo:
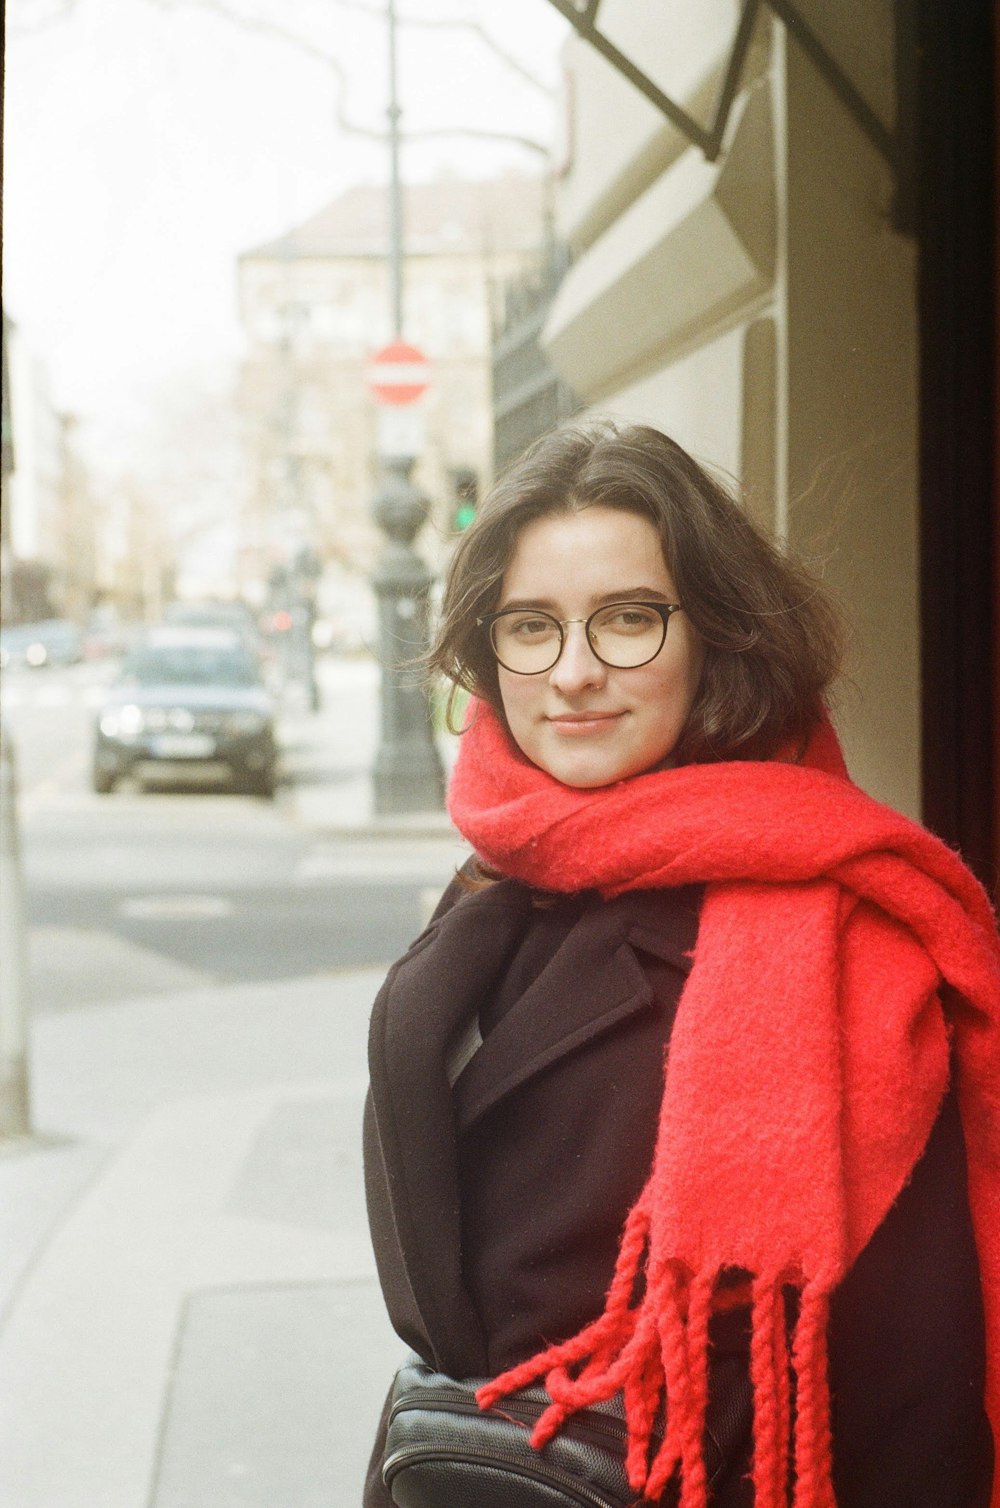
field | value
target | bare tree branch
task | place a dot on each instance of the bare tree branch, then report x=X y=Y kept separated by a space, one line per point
x=527 y=142
x=476 y=29
x=452 y=23
x=63 y=9
x=264 y=27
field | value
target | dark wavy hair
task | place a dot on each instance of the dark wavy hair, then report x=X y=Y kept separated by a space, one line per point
x=772 y=637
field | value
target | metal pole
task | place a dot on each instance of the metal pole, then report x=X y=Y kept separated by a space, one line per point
x=395 y=187
x=408 y=775
x=15 y=1117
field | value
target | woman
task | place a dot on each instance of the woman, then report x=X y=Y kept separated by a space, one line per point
x=673 y=867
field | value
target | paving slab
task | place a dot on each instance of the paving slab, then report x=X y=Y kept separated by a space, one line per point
x=97 y=1071
x=91 y=1343
x=207 y=1148
x=275 y=1395
x=62 y=956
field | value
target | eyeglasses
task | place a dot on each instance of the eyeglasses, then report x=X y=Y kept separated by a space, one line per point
x=622 y=635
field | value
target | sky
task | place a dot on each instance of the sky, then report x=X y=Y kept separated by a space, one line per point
x=148 y=142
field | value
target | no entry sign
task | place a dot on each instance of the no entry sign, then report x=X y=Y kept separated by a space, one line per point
x=398 y=374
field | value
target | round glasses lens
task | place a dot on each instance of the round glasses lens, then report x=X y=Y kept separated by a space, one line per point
x=626 y=634
x=526 y=642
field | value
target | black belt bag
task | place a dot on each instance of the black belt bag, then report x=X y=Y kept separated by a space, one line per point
x=443 y=1451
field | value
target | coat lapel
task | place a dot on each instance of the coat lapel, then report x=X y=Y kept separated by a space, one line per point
x=594 y=982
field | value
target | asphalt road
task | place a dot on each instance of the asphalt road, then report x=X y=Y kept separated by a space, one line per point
x=148 y=891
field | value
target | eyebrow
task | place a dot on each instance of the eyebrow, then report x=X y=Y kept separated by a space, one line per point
x=622 y=594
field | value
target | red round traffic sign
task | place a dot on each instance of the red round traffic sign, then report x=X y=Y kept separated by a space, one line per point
x=399 y=373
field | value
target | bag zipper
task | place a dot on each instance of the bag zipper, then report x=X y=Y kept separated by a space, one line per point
x=550 y=1476
x=587 y=1422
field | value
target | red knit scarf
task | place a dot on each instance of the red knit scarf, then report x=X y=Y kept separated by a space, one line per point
x=807 y=1063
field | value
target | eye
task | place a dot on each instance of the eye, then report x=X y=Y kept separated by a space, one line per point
x=527 y=626
x=627 y=618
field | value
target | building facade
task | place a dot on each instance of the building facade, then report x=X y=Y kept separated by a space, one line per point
x=50 y=564
x=769 y=299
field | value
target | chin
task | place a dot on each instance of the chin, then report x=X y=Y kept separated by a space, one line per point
x=589 y=778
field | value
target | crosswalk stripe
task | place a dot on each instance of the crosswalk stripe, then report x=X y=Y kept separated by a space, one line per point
x=406 y=863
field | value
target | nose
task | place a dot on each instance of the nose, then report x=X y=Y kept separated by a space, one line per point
x=577 y=668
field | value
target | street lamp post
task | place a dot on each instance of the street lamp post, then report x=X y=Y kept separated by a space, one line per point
x=407 y=775
x=395 y=183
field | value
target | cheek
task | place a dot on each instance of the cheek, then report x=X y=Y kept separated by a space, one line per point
x=688 y=669
x=670 y=695
x=516 y=694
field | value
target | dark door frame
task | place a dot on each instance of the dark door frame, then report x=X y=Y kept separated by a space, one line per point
x=956 y=227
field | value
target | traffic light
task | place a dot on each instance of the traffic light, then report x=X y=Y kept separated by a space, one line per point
x=466 y=489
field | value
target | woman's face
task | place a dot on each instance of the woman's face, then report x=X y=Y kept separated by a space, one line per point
x=582 y=721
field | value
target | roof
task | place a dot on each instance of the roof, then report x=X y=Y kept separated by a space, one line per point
x=450 y=215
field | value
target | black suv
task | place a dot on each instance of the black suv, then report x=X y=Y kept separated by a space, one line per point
x=190 y=700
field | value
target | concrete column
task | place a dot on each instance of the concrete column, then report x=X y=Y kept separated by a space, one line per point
x=15 y=1118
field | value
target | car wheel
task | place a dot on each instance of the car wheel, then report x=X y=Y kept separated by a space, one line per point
x=104 y=782
x=257 y=783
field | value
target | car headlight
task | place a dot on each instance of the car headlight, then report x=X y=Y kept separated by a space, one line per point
x=245 y=723
x=123 y=722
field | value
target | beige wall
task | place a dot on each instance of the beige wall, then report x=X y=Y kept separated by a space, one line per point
x=762 y=309
x=852 y=419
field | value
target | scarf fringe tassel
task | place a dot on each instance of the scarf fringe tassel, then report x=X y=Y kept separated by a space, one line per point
x=656 y=1353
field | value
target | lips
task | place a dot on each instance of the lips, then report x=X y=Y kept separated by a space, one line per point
x=577 y=724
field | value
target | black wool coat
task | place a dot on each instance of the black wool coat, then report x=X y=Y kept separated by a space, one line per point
x=496 y=1202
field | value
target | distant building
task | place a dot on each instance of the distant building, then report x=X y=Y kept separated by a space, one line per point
x=529 y=396
x=49 y=559
x=315 y=305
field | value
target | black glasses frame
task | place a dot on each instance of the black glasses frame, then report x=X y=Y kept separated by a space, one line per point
x=666 y=611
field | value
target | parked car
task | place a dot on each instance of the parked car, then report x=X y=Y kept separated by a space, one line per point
x=237 y=616
x=54 y=641
x=192 y=700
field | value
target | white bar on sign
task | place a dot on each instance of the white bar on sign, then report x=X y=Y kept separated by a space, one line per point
x=398 y=374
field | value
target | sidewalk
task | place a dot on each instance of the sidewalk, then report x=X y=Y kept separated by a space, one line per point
x=189 y=1315
x=328 y=758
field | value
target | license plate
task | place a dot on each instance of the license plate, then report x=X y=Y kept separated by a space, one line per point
x=182 y=746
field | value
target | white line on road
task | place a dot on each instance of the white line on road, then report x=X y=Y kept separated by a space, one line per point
x=390 y=859
x=173 y=907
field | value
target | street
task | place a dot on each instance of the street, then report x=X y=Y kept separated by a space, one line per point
x=154 y=890
x=189 y=1316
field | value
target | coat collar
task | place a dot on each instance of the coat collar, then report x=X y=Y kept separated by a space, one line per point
x=593 y=982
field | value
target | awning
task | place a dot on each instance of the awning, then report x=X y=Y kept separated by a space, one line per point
x=582 y=15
